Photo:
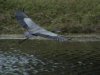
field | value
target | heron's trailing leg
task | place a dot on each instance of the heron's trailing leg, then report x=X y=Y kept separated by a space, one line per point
x=27 y=35
x=23 y=40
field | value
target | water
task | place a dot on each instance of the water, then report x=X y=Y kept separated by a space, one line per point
x=18 y=63
x=49 y=58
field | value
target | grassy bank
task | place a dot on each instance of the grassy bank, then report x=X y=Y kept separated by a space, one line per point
x=68 y=16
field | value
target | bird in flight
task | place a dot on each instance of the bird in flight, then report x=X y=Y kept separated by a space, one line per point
x=34 y=29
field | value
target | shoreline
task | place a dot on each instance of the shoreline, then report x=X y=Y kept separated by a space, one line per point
x=75 y=37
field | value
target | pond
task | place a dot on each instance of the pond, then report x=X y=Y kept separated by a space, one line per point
x=42 y=57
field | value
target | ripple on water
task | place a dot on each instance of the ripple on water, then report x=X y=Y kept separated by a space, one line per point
x=17 y=63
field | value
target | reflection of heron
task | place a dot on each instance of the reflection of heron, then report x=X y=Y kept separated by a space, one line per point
x=35 y=30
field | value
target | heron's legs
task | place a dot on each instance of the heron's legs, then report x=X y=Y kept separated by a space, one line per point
x=20 y=42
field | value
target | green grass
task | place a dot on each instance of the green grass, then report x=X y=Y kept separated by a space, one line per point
x=68 y=16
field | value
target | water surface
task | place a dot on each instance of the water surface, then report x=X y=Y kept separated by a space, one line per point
x=40 y=57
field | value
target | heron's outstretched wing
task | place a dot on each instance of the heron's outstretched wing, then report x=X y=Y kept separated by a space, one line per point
x=35 y=29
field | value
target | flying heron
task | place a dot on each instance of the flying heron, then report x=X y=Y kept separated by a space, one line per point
x=34 y=29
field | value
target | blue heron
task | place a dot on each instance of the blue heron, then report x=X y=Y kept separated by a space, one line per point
x=34 y=29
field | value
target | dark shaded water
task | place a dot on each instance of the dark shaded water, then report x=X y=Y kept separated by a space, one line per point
x=49 y=58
